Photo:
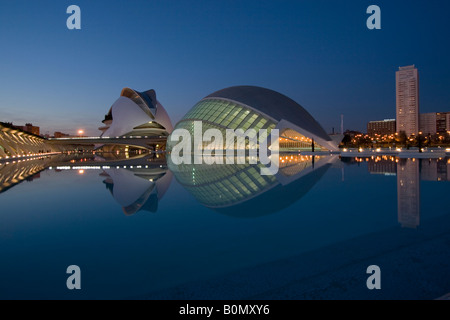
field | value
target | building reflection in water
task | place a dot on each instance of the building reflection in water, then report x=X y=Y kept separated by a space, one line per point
x=139 y=182
x=409 y=172
x=240 y=190
x=137 y=189
x=14 y=172
x=408 y=193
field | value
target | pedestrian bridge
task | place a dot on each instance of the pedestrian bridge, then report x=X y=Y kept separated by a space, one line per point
x=136 y=141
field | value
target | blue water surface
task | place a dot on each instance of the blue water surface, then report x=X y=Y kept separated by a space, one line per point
x=317 y=248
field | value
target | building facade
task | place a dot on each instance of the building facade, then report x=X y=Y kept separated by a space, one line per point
x=136 y=114
x=448 y=121
x=385 y=127
x=249 y=107
x=139 y=115
x=435 y=123
x=15 y=142
x=442 y=122
x=59 y=135
x=407 y=100
x=30 y=129
x=428 y=123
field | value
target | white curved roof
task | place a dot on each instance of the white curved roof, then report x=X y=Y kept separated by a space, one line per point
x=273 y=104
x=133 y=109
x=126 y=115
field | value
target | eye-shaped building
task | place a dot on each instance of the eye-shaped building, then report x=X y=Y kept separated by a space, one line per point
x=249 y=107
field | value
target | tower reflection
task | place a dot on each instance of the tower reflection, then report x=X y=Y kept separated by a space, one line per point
x=408 y=193
x=409 y=173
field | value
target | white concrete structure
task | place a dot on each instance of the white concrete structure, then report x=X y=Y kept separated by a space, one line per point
x=250 y=107
x=17 y=143
x=136 y=114
x=407 y=92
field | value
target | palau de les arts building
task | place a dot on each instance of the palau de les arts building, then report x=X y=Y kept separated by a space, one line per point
x=140 y=114
x=136 y=114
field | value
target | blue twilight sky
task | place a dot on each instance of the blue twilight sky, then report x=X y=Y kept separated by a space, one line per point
x=318 y=52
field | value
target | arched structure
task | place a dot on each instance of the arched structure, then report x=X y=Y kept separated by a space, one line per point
x=239 y=190
x=17 y=143
x=249 y=107
x=136 y=114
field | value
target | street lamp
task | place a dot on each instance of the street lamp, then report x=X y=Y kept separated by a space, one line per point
x=420 y=141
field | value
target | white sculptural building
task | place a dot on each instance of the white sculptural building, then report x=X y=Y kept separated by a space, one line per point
x=136 y=114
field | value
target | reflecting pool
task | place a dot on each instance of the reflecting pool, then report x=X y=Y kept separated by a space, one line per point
x=145 y=228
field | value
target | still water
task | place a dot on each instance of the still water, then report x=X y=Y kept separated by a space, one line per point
x=145 y=228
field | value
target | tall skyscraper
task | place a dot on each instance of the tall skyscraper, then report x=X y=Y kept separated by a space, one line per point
x=407 y=84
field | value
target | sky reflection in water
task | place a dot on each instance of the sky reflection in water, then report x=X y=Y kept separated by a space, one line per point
x=146 y=228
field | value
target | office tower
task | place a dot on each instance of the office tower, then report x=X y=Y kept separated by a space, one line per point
x=407 y=89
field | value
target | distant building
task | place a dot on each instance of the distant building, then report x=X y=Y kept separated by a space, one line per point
x=442 y=122
x=385 y=127
x=29 y=128
x=428 y=123
x=435 y=122
x=407 y=93
x=59 y=135
x=448 y=121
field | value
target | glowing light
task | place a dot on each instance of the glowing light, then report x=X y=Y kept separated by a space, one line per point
x=80 y=132
x=81 y=171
